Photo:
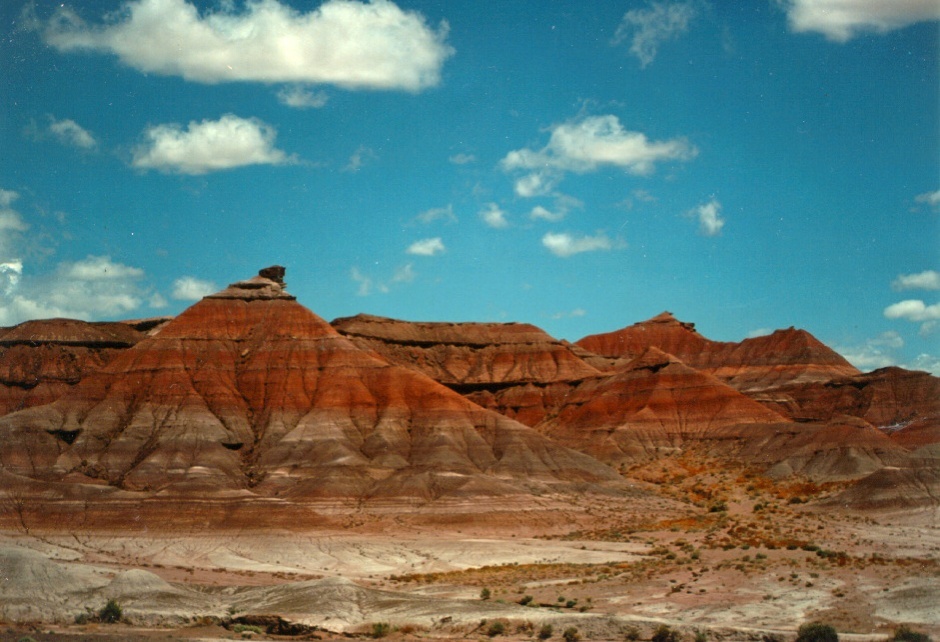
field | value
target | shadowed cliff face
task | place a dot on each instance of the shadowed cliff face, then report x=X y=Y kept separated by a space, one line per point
x=249 y=390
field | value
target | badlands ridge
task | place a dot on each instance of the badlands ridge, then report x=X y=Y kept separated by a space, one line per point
x=249 y=414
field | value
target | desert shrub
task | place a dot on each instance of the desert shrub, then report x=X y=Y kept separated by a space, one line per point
x=380 y=629
x=571 y=603
x=664 y=633
x=905 y=634
x=701 y=635
x=111 y=612
x=816 y=632
x=525 y=600
x=546 y=631
x=718 y=507
x=571 y=634
x=26 y=638
x=496 y=628
x=632 y=634
x=485 y=594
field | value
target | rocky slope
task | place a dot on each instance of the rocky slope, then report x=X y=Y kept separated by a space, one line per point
x=783 y=357
x=40 y=360
x=248 y=393
x=469 y=356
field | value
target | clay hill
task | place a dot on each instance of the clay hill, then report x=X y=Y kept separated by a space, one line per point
x=247 y=394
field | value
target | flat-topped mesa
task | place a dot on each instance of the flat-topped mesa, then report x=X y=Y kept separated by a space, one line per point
x=71 y=332
x=268 y=285
x=469 y=356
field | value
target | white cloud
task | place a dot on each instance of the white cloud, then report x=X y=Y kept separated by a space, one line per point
x=926 y=280
x=586 y=145
x=563 y=205
x=913 y=310
x=71 y=133
x=648 y=29
x=426 y=247
x=374 y=45
x=210 y=145
x=189 y=288
x=932 y=199
x=840 y=20
x=577 y=312
x=359 y=158
x=368 y=286
x=709 y=218
x=10 y=273
x=565 y=245
x=437 y=214
x=759 y=332
x=928 y=362
x=93 y=288
x=462 y=159
x=7 y=196
x=302 y=98
x=365 y=282
x=874 y=353
x=494 y=216
x=404 y=274
x=12 y=227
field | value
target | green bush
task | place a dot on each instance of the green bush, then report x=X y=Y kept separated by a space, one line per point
x=525 y=600
x=485 y=594
x=905 y=634
x=546 y=631
x=571 y=634
x=111 y=612
x=380 y=629
x=816 y=632
x=496 y=628
x=664 y=633
x=632 y=634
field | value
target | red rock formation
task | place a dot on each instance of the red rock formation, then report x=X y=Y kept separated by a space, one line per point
x=41 y=360
x=248 y=391
x=469 y=356
x=786 y=356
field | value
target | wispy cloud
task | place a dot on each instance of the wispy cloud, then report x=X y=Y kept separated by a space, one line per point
x=926 y=280
x=563 y=205
x=565 y=245
x=570 y=314
x=445 y=214
x=879 y=352
x=374 y=45
x=709 y=218
x=360 y=157
x=494 y=217
x=366 y=285
x=189 y=288
x=462 y=159
x=426 y=247
x=585 y=145
x=841 y=20
x=647 y=29
x=209 y=145
x=68 y=132
x=300 y=97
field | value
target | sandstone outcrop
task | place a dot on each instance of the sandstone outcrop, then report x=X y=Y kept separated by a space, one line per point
x=785 y=356
x=469 y=356
x=249 y=393
x=40 y=360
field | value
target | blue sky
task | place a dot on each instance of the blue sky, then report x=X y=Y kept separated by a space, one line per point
x=579 y=166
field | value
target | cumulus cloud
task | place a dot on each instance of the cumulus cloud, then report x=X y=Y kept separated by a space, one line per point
x=95 y=287
x=584 y=146
x=68 y=132
x=709 y=218
x=189 y=288
x=302 y=98
x=931 y=199
x=445 y=214
x=840 y=20
x=426 y=247
x=913 y=310
x=357 y=45
x=565 y=245
x=648 y=29
x=10 y=273
x=926 y=280
x=494 y=216
x=209 y=145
